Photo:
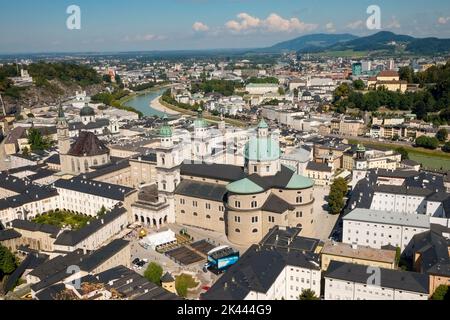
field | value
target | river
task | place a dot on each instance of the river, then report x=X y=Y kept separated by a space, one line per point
x=142 y=103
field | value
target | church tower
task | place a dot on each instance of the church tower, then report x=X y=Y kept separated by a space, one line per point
x=262 y=153
x=63 y=132
x=169 y=159
x=201 y=148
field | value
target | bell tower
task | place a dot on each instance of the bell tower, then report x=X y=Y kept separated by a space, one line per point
x=62 y=128
x=169 y=158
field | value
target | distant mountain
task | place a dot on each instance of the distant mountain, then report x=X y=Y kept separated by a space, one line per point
x=429 y=46
x=384 y=40
x=310 y=43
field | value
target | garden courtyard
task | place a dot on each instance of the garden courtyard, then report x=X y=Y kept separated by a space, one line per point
x=63 y=219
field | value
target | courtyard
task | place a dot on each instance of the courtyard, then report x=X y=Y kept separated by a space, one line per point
x=63 y=219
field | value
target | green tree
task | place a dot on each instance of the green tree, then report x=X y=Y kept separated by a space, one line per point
x=7 y=261
x=154 y=273
x=403 y=152
x=442 y=293
x=308 y=294
x=407 y=74
x=37 y=141
x=183 y=283
x=442 y=135
x=446 y=147
x=427 y=142
x=359 y=84
x=338 y=191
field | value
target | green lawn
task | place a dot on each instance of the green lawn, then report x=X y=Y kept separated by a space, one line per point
x=346 y=53
x=430 y=162
x=430 y=159
x=63 y=218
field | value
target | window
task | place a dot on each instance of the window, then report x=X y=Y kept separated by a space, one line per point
x=254 y=204
x=221 y=208
x=194 y=204
x=255 y=169
x=208 y=216
x=254 y=219
x=272 y=219
x=299 y=214
x=268 y=169
x=237 y=219
x=299 y=199
x=237 y=231
x=208 y=206
x=195 y=214
x=255 y=231
x=182 y=201
x=237 y=204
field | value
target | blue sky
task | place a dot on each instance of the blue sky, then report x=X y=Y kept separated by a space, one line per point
x=119 y=25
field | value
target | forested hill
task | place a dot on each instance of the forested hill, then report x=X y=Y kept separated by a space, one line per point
x=50 y=82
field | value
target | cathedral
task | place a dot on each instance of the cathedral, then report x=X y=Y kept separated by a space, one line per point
x=244 y=202
x=86 y=153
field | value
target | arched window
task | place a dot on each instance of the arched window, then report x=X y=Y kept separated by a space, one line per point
x=73 y=165
x=299 y=225
x=238 y=231
x=163 y=160
x=78 y=165
x=208 y=217
x=195 y=214
x=182 y=211
x=95 y=162
x=255 y=231
x=86 y=166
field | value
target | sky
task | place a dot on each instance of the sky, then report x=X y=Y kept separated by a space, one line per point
x=29 y=26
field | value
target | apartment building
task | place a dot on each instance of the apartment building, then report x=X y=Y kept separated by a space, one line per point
x=345 y=281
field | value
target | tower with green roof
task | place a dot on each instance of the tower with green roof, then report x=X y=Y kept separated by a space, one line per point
x=168 y=161
x=262 y=153
x=201 y=147
x=62 y=128
x=166 y=133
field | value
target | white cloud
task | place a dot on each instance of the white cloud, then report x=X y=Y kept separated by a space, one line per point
x=144 y=38
x=443 y=20
x=330 y=27
x=273 y=23
x=394 y=24
x=200 y=27
x=355 y=24
x=246 y=22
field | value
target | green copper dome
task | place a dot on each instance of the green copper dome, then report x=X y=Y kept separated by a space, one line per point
x=263 y=124
x=166 y=129
x=262 y=149
x=87 y=111
x=299 y=182
x=244 y=186
x=200 y=122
